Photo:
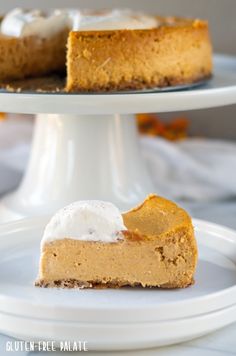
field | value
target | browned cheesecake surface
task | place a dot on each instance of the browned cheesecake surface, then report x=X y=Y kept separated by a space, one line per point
x=158 y=250
x=29 y=57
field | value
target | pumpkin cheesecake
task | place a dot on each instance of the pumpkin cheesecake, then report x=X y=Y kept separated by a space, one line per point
x=173 y=52
x=91 y=244
x=107 y=50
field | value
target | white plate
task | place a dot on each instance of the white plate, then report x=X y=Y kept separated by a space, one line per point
x=221 y=90
x=215 y=286
x=117 y=336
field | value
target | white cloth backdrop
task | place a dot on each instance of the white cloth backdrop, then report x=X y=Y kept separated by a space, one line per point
x=198 y=170
x=193 y=169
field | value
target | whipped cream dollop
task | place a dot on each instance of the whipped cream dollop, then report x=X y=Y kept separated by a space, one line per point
x=111 y=20
x=21 y=23
x=89 y=220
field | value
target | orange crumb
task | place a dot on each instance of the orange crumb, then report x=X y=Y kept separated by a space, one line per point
x=152 y=125
x=3 y=116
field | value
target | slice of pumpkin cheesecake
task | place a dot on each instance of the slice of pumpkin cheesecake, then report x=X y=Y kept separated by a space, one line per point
x=91 y=244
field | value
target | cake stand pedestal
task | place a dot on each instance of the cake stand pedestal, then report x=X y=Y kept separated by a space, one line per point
x=81 y=157
x=83 y=149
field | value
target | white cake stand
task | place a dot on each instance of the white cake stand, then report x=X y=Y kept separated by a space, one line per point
x=85 y=146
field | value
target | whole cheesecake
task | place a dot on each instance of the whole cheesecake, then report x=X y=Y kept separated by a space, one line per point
x=106 y=50
x=89 y=244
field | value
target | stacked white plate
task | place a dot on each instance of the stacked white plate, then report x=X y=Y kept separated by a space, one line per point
x=115 y=319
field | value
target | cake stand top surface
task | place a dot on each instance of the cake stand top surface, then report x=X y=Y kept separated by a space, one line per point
x=219 y=91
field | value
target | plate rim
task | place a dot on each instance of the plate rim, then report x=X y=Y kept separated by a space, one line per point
x=109 y=333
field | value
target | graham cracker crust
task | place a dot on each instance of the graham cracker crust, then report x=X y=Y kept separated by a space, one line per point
x=76 y=284
x=57 y=84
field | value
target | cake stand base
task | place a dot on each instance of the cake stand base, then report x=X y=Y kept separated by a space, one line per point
x=80 y=157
